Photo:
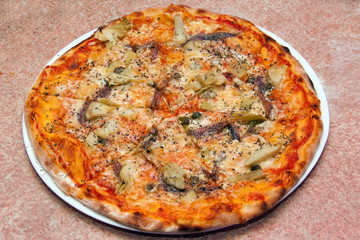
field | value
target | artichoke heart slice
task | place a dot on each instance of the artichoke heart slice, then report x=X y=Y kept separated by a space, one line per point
x=125 y=177
x=92 y=139
x=212 y=77
x=109 y=128
x=245 y=116
x=239 y=70
x=250 y=176
x=97 y=109
x=180 y=35
x=173 y=175
x=108 y=102
x=126 y=76
x=263 y=154
x=114 y=32
x=276 y=74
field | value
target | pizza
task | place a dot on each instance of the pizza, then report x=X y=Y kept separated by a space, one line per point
x=175 y=120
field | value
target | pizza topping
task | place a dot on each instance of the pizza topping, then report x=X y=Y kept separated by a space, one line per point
x=194 y=180
x=239 y=70
x=233 y=132
x=117 y=168
x=151 y=187
x=110 y=127
x=196 y=115
x=211 y=37
x=249 y=176
x=212 y=77
x=155 y=47
x=125 y=76
x=263 y=154
x=254 y=166
x=173 y=175
x=92 y=139
x=125 y=176
x=189 y=196
x=180 y=35
x=208 y=130
x=97 y=109
x=129 y=57
x=261 y=87
x=245 y=116
x=184 y=120
x=276 y=74
x=114 y=32
x=146 y=142
x=208 y=94
x=155 y=102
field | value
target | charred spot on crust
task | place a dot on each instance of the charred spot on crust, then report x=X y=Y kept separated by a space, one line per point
x=138 y=14
x=264 y=206
x=186 y=228
x=88 y=193
x=316 y=117
x=286 y=49
x=278 y=182
x=315 y=106
x=311 y=82
x=269 y=39
x=200 y=11
x=137 y=214
x=74 y=66
x=220 y=207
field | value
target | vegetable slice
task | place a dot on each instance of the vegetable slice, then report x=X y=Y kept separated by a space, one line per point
x=97 y=109
x=113 y=33
x=250 y=176
x=263 y=154
x=173 y=175
x=276 y=74
x=180 y=35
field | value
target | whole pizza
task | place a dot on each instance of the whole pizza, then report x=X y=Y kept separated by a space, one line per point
x=175 y=120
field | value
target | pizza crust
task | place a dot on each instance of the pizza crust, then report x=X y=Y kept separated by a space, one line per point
x=237 y=215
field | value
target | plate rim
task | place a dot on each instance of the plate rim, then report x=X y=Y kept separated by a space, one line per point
x=46 y=178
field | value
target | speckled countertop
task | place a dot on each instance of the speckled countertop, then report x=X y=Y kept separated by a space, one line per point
x=326 y=33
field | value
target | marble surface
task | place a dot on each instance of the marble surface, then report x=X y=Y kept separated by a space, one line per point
x=326 y=33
